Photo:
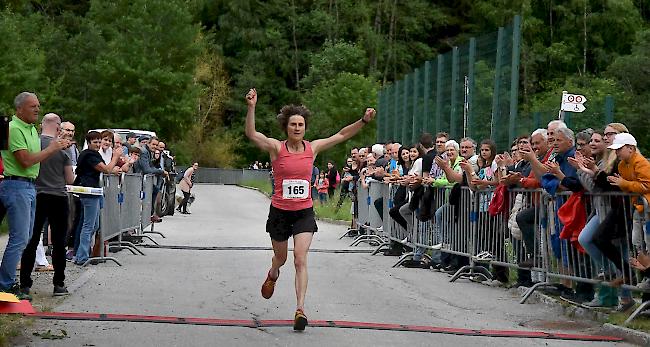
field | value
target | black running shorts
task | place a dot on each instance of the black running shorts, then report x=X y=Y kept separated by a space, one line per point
x=283 y=224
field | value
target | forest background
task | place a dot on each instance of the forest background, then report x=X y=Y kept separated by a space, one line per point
x=181 y=67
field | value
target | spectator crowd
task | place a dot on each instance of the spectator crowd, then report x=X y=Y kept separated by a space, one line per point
x=609 y=233
x=35 y=171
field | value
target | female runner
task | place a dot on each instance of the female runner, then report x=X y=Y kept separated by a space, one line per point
x=291 y=212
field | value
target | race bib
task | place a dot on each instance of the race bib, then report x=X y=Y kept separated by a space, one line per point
x=295 y=189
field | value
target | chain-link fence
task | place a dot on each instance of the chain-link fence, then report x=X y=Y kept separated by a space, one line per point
x=469 y=91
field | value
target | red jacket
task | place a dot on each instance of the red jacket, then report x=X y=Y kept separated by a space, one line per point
x=573 y=216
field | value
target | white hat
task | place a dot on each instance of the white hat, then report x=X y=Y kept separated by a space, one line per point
x=623 y=139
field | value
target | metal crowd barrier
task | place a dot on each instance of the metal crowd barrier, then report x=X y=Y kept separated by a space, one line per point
x=465 y=228
x=227 y=176
x=126 y=208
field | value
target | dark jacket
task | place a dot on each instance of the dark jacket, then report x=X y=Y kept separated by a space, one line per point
x=143 y=165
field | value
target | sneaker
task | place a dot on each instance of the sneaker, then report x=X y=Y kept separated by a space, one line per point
x=645 y=284
x=69 y=255
x=597 y=303
x=450 y=269
x=20 y=293
x=625 y=306
x=478 y=279
x=437 y=267
x=60 y=291
x=269 y=286
x=300 y=321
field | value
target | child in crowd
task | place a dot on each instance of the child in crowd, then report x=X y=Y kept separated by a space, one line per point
x=321 y=186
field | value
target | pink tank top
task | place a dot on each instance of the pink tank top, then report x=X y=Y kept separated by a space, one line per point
x=292 y=178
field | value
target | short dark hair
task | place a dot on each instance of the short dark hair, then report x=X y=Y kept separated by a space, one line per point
x=292 y=110
x=426 y=140
x=93 y=135
x=442 y=134
x=134 y=149
x=131 y=135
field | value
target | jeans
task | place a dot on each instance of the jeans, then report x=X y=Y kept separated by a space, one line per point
x=408 y=215
x=19 y=198
x=586 y=240
x=55 y=209
x=91 y=206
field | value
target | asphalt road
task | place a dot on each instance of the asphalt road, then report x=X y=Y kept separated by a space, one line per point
x=225 y=283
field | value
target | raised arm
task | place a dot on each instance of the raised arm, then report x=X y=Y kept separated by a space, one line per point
x=271 y=145
x=344 y=134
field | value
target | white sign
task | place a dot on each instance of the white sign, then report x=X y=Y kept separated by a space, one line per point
x=573 y=108
x=573 y=103
x=573 y=99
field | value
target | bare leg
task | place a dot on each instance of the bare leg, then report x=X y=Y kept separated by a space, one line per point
x=301 y=243
x=279 y=257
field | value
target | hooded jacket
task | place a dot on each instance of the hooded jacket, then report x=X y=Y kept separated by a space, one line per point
x=636 y=174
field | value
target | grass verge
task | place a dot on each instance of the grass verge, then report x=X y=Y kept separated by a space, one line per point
x=641 y=324
x=4 y=228
x=326 y=210
x=12 y=326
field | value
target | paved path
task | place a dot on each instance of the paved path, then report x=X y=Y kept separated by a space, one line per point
x=225 y=284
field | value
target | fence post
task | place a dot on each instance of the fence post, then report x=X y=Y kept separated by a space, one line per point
x=405 y=114
x=427 y=91
x=380 y=116
x=439 y=93
x=537 y=116
x=497 y=78
x=514 y=75
x=454 y=92
x=470 y=85
x=416 y=78
x=609 y=109
x=396 y=113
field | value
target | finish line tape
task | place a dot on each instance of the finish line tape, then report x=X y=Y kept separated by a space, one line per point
x=73 y=316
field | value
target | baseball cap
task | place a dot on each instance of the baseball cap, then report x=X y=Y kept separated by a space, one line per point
x=623 y=139
x=144 y=137
x=131 y=135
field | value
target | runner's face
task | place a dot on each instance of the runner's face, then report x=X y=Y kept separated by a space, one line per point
x=296 y=128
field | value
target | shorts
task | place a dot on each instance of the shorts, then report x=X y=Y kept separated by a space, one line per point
x=283 y=224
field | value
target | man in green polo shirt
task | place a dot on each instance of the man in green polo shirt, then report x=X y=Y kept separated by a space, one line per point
x=17 y=190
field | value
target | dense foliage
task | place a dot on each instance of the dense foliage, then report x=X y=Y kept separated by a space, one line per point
x=181 y=67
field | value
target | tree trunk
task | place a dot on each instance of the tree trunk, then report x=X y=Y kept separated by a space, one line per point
x=295 y=44
x=374 y=52
x=391 y=42
x=584 y=48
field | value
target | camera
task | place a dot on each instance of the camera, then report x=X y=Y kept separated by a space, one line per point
x=4 y=132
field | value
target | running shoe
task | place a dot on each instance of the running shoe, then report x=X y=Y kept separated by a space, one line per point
x=269 y=285
x=300 y=321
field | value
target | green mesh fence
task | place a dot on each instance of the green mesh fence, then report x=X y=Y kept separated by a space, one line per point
x=468 y=91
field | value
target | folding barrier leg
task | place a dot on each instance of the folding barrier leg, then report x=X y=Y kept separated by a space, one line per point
x=154 y=232
x=468 y=271
x=126 y=245
x=348 y=233
x=101 y=260
x=636 y=312
x=380 y=247
x=147 y=237
x=402 y=258
x=532 y=289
